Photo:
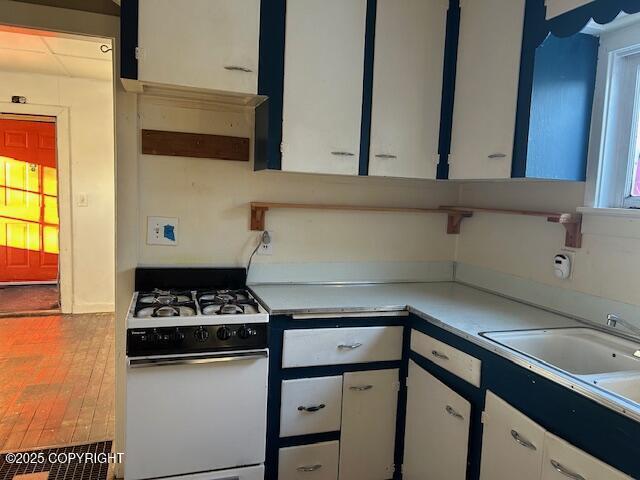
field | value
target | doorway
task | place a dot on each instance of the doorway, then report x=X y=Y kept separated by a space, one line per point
x=29 y=220
x=57 y=239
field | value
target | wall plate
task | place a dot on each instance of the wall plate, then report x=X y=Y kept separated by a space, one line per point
x=162 y=231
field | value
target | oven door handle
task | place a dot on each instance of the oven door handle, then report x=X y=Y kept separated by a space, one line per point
x=197 y=359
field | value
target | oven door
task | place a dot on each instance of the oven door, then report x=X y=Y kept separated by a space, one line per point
x=195 y=413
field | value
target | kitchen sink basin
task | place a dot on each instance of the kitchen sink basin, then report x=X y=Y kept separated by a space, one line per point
x=579 y=351
x=625 y=385
x=592 y=356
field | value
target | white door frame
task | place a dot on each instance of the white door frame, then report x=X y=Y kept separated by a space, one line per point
x=63 y=165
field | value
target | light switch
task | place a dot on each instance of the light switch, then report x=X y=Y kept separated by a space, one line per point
x=83 y=200
x=162 y=230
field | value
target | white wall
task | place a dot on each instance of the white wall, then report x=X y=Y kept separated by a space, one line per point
x=211 y=199
x=90 y=104
x=606 y=266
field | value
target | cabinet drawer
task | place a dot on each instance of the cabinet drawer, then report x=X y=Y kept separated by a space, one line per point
x=335 y=346
x=310 y=405
x=459 y=363
x=317 y=462
x=511 y=443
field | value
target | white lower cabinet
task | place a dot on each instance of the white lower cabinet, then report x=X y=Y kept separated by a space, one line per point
x=437 y=429
x=367 y=440
x=562 y=460
x=512 y=444
x=318 y=461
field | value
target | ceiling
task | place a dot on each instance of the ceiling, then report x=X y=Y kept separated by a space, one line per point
x=54 y=54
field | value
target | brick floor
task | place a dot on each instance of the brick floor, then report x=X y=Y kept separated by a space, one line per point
x=56 y=380
x=28 y=298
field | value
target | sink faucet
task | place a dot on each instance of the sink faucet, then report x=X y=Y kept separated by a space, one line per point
x=613 y=320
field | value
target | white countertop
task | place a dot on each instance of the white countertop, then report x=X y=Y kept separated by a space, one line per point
x=460 y=309
x=465 y=309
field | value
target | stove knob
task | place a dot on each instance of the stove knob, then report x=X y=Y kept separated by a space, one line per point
x=155 y=337
x=178 y=336
x=245 y=332
x=201 y=334
x=224 y=333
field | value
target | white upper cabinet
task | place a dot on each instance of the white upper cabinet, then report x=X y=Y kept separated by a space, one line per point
x=486 y=91
x=558 y=7
x=512 y=444
x=407 y=87
x=323 y=85
x=562 y=460
x=367 y=440
x=211 y=44
x=437 y=429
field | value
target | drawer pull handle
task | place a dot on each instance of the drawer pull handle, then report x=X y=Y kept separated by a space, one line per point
x=439 y=355
x=343 y=154
x=497 y=155
x=453 y=413
x=386 y=156
x=313 y=408
x=361 y=388
x=351 y=346
x=564 y=471
x=522 y=441
x=309 y=468
x=236 y=68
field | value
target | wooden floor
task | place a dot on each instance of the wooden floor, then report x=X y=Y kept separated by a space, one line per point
x=56 y=380
x=28 y=298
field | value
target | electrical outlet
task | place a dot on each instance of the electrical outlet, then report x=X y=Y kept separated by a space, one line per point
x=266 y=244
x=162 y=231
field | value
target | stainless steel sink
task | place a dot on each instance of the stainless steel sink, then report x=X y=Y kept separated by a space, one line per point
x=593 y=356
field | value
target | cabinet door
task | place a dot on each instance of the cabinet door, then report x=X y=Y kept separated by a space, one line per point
x=323 y=75
x=512 y=444
x=209 y=44
x=367 y=440
x=562 y=460
x=407 y=87
x=437 y=429
x=486 y=88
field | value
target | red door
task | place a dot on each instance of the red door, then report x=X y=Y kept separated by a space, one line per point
x=28 y=201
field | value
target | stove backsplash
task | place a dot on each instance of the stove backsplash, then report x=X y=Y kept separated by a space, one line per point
x=186 y=278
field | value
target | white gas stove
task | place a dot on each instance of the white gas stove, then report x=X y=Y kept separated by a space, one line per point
x=197 y=367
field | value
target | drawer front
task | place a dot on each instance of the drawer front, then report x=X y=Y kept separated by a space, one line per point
x=337 y=346
x=310 y=405
x=316 y=462
x=459 y=363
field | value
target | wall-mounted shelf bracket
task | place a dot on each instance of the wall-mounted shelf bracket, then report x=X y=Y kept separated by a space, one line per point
x=258 y=214
x=454 y=220
x=572 y=222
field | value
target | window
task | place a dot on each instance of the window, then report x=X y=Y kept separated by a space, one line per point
x=615 y=142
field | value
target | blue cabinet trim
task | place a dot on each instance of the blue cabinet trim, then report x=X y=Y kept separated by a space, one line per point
x=448 y=87
x=277 y=325
x=128 y=39
x=367 y=86
x=268 y=122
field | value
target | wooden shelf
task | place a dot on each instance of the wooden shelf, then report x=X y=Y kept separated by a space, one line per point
x=259 y=209
x=572 y=222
